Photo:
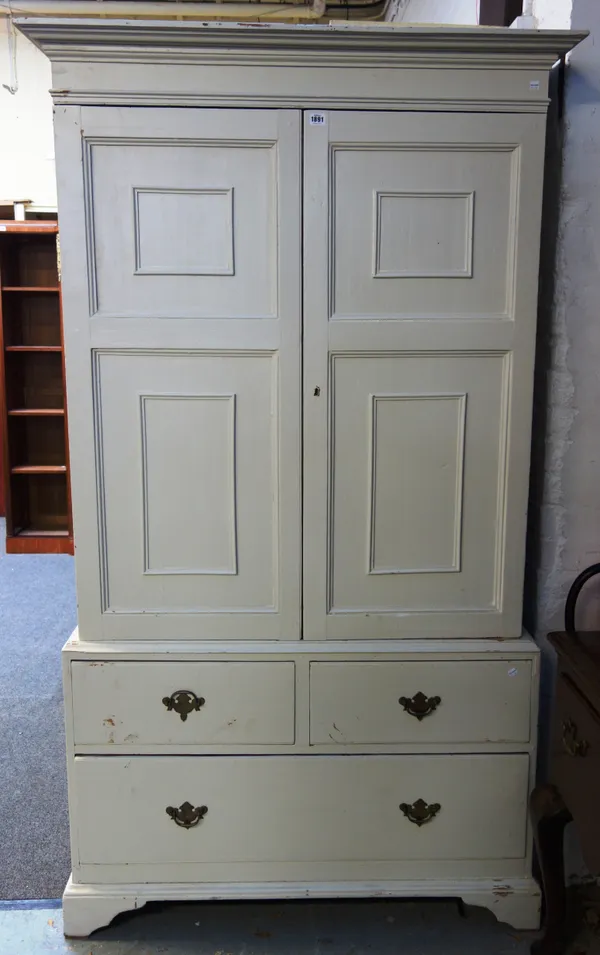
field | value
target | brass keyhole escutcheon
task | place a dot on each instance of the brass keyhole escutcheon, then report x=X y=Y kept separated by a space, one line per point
x=186 y=817
x=420 y=812
x=183 y=702
x=570 y=739
x=420 y=705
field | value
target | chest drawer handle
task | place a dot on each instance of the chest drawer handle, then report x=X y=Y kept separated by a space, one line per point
x=420 y=812
x=186 y=816
x=183 y=702
x=420 y=705
x=572 y=745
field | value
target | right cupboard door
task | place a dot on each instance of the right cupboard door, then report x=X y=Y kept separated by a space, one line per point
x=421 y=263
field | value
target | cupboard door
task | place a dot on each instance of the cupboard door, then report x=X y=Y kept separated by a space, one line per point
x=180 y=237
x=421 y=256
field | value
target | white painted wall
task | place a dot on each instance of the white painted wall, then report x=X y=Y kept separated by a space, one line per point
x=434 y=11
x=27 y=150
x=565 y=501
x=549 y=14
x=570 y=504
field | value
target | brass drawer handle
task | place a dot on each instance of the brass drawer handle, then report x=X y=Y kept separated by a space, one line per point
x=420 y=705
x=186 y=816
x=420 y=812
x=572 y=745
x=183 y=702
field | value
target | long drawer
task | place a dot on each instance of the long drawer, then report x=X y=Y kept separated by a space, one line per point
x=161 y=703
x=304 y=808
x=434 y=702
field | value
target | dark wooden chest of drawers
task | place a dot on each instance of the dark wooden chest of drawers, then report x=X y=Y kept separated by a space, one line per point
x=573 y=789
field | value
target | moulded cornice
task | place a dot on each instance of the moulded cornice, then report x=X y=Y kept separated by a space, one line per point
x=303 y=44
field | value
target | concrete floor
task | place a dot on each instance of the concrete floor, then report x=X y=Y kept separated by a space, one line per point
x=249 y=928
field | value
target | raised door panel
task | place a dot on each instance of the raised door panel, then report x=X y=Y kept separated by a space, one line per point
x=415 y=218
x=198 y=230
x=183 y=362
x=415 y=481
x=421 y=251
x=188 y=474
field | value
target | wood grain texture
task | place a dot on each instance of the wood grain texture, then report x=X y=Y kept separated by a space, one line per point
x=574 y=777
x=32 y=387
x=26 y=288
x=38 y=543
x=575 y=760
x=550 y=817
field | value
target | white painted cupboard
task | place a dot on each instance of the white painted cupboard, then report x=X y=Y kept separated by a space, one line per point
x=299 y=278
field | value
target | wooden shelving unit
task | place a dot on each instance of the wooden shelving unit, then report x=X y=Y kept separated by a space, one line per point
x=33 y=416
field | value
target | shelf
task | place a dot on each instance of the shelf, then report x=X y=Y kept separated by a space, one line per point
x=30 y=288
x=29 y=226
x=34 y=348
x=31 y=321
x=31 y=541
x=35 y=412
x=32 y=392
x=40 y=469
x=35 y=381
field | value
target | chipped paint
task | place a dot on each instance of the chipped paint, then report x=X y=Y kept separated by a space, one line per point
x=503 y=891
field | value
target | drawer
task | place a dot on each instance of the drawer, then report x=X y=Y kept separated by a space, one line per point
x=283 y=809
x=459 y=702
x=575 y=764
x=124 y=703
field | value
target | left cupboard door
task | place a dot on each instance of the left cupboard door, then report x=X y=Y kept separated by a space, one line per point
x=181 y=259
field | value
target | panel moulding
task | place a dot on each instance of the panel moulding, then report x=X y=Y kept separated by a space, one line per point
x=106 y=602
x=465 y=270
x=496 y=607
x=226 y=267
x=461 y=413
x=469 y=197
x=231 y=568
x=88 y=145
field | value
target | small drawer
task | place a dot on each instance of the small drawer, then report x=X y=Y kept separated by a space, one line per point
x=575 y=763
x=139 y=704
x=281 y=810
x=413 y=702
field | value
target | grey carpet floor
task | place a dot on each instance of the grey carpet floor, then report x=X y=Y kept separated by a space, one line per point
x=37 y=614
